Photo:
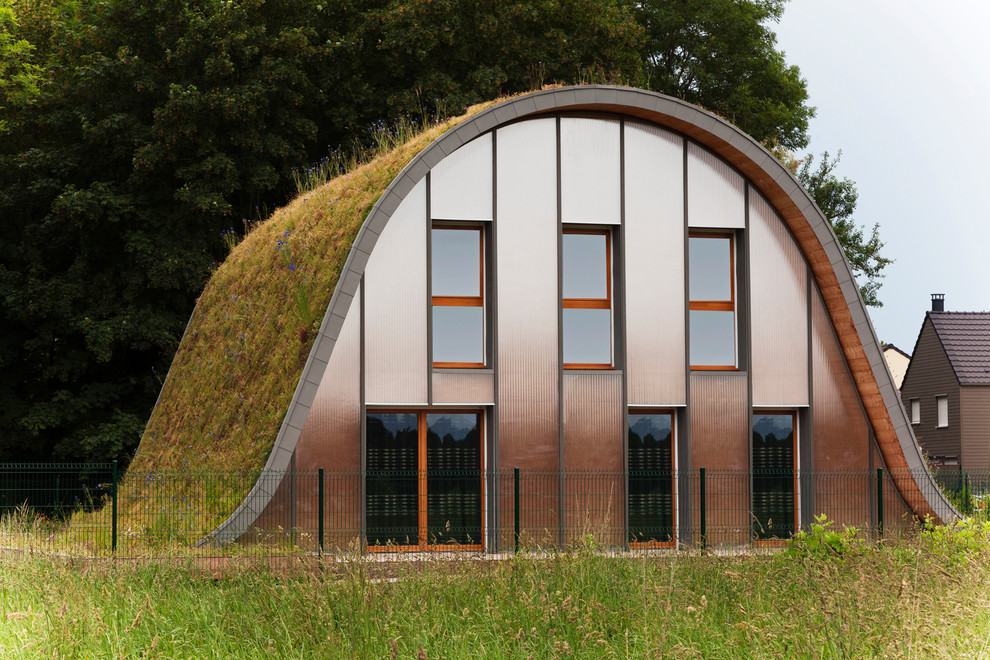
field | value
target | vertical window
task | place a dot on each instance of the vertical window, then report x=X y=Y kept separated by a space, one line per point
x=915 y=411
x=774 y=487
x=942 y=406
x=651 y=479
x=424 y=480
x=587 y=299
x=711 y=285
x=457 y=278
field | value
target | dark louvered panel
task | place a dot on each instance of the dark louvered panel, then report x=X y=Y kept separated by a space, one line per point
x=391 y=485
x=651 y=483
x=453 y=480
x=773 y=475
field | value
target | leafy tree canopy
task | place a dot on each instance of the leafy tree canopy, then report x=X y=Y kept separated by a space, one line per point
x=837 y=200
x=137 y=132
x=722 y=55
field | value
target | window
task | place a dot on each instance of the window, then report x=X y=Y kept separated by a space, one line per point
x=651 y=479
x=587 y=299
x=915 y=411
x=711 y=286
x=457 y=279
x=774 y=484
x=424 y=480
x=942 y=406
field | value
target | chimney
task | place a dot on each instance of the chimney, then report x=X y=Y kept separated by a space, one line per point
x=938 y=302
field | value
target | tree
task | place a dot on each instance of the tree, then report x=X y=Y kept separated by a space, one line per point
x=138 y=132
x=837 y=200
x=721 y=55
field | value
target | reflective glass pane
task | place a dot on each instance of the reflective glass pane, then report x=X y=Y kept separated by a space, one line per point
x=713 y=338
x=453 y=465
x=455 y=256
x=391 y=482
x=773 y=475
x=710 y=268
x=585 y=266
x=651 y=478
x=459 y=334
x=587 y=336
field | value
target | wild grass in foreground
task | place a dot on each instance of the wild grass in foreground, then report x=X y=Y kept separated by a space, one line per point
x=827 y=596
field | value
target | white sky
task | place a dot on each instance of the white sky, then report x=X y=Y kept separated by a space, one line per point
x=903 y=89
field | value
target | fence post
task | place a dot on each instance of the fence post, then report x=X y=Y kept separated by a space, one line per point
x=704 y=525
x=880 y=502
x=515 y=473
x=113 y=524
x=320 y=507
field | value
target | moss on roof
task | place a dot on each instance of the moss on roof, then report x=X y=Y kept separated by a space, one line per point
x=249 y=337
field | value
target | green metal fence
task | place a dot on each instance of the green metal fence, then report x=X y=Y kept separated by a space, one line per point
x=90 y=510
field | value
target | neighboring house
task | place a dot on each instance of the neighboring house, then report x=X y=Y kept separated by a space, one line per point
x=591 y=279
x=897 y=362
x=946 y=391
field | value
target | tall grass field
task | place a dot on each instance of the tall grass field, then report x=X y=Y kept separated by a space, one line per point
x=826 y=595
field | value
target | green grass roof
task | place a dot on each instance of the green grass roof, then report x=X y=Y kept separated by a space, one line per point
x=247 y=342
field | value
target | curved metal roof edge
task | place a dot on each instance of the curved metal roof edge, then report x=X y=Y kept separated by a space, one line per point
x=829 y=266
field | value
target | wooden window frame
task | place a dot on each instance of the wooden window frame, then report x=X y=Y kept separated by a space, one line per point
x=464 y=301
x=648 y=545
x=594 y=303
x=794 y=466
x=719 y=305
x=422 y=499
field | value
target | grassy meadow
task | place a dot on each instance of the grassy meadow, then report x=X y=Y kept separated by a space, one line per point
x=828 y=595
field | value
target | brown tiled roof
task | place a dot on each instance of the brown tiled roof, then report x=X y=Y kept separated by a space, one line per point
x=966 y=339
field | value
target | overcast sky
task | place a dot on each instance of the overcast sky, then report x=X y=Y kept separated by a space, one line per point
x=903 y=89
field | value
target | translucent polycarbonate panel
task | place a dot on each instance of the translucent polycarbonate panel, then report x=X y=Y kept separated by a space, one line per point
x=654 y=266
x=720 y=439
x=589 y=170
x=391 y=482
x=587 y=336
x=331 y=439
x=458 y=334
x=332 y=432
x=840 y=425
x=778 y=310
x=527 y=171
x=593 y=428
x=455 y=261
x=395 y=307
x=453 y=478
x=585 y=265
x=461 y=184
x=528 y=296
x=716 y=196
x=463 y=386
x=713 y=338
x=710 y=268
x=651 y=477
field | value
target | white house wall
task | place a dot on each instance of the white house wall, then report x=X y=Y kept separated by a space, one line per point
x=461 y=184
x=778 y=310
x=716 y=192
x=527 y=234
x=589 y=171
x=395 y=308
x=654 y=266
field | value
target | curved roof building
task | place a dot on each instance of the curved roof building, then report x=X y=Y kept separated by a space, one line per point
x=607 y=287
